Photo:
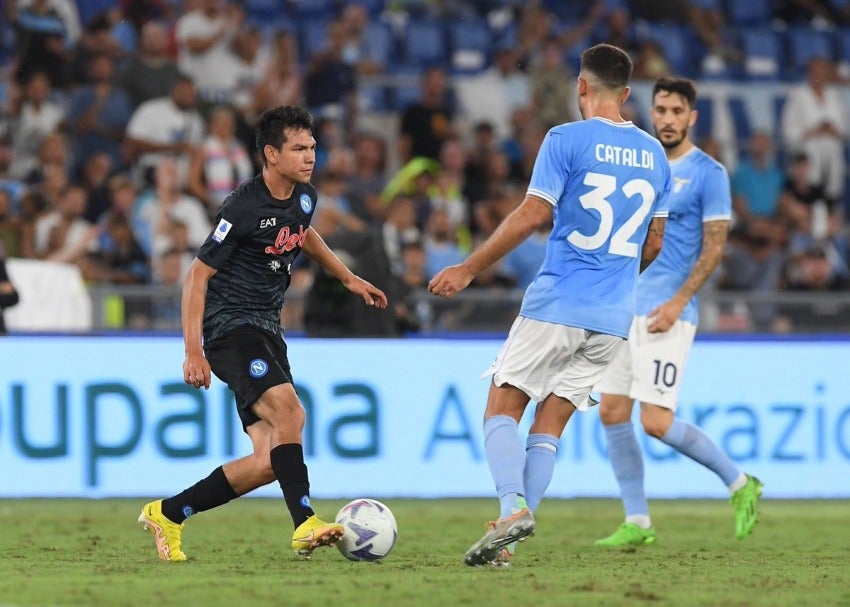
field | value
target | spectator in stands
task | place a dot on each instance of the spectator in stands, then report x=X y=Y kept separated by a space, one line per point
x=756 y=186
x=650 y=62
x=34 y=115
x=94 y=176
x=283 y=83
x=10 y=226
x=818 y=13
x=150 y=73
x=53 y=153
x=330 y=84
x=332 y=202
x=42 y=37
x=484 y=145
x=357 y=49
x=63 y=235
x=369 y=178
x=412 y=314
x=222 y=163
x=552 y=83
x=164 y=127
x=98 y=114
x=709 y=21
x=34 y=206
x=118 y=257
x=441 y=243
x=818 y=239
x=97 y=40
x=493 y=94
x=426 y=123
x=165 y=204
x=446 y=191
x=204 y=36
x=398 y=229
x=248 y=65
x=618 y=30
x=8 y=294
x=814 y=121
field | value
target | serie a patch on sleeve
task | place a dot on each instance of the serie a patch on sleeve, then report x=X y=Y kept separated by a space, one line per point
x=222 y=230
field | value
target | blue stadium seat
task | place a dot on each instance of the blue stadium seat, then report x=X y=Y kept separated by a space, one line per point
x=379 y=43
x=316 y=9
x=804 y=44
x=470 y=42
x=676 y=42
x=424 y=43
x=263 y=11
x=410 y=88
x=749 y=12
x=705 y=120
x=313 y=34
x=89 y=9
x=762 y=53
x=373 y=7
x=741 y=120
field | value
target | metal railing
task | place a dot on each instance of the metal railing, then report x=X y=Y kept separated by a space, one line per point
x=157 y=308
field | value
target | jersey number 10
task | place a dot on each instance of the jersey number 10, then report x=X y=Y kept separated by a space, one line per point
x=597 y=199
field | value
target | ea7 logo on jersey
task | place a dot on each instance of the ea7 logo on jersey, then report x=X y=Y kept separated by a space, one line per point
x=268 y=222
x=287 y=241
x=221 y=230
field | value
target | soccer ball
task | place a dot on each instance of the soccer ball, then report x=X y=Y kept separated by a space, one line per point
x=370 y=530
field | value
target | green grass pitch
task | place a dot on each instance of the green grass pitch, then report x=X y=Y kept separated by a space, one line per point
x=92 y=552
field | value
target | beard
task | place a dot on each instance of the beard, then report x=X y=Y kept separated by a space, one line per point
x=677 y=138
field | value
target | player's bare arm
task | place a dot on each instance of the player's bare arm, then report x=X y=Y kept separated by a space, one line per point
x=714 y=235
x=317 y=249
x=196 y=369
x=654 y=241
x=519 y=225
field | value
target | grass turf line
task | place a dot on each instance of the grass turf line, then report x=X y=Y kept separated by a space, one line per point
x=92 y=553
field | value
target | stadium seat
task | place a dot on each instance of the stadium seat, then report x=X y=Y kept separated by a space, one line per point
x=762 y=52
x=470 y=42
x=408 y=88
x=89 y=9
x=424 y=43
x=313 y=34
x=316 y=9
x=373 y=7
x=264 y=11
x=676 y=42
x=379 y=43
x=705 y=120
x=741 y=120
x=749 y=12
x=804 y=44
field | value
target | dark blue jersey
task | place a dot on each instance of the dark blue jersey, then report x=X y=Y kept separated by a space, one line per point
x=255 y=240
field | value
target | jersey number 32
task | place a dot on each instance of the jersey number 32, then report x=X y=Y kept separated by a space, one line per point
x=597 y=199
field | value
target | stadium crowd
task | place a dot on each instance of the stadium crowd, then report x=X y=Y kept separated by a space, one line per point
x=123 y=126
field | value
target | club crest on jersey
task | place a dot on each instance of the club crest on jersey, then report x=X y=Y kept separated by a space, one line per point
x=258 y=367
x=221 y=230
x=286 y=241
x=679 y=183
x=306 y=203
x=268 y=222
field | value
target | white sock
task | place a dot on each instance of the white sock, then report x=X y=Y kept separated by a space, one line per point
x=641 y=520
x=739 y=483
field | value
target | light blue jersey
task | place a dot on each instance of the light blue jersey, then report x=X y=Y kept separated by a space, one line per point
x=605 y=182
x=700 y=193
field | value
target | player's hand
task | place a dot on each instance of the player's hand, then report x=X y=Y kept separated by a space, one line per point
x=450 y=281
x=371 y=294
x=664 y=316
x=196 y=370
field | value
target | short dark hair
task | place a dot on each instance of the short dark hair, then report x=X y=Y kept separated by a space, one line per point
x=610 y=64
x=272 y=124
x=681 y=86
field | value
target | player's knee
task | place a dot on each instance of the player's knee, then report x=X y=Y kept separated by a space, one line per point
x=656 y=425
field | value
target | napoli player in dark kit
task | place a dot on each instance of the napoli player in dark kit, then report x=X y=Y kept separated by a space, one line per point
x=232 y=297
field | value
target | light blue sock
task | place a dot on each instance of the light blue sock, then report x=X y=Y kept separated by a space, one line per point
x=627 y=463
x=506 y=457
x=540 y=452
x=693 y=442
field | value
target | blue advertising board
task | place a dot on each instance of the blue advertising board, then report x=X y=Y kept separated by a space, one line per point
x=111 y=416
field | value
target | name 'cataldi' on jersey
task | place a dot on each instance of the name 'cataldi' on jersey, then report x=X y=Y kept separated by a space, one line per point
x=630 y=157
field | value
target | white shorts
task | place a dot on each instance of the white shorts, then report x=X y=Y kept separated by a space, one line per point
x=651 y=366
x=542 y=358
